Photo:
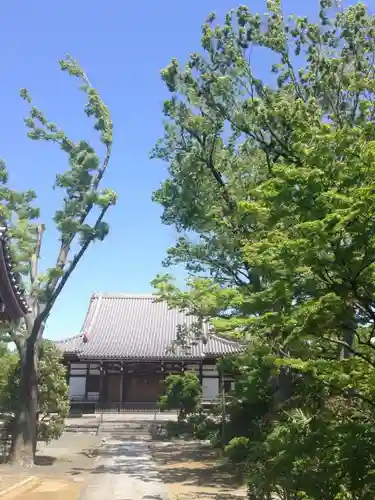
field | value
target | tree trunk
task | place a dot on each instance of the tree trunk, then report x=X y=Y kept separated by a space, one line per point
x=24 y=433
x=349 y=327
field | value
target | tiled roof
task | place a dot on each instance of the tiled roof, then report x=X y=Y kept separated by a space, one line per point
x=12 y=292
x=126 y=326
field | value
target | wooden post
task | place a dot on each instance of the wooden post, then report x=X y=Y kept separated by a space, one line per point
x=101 y=385
x=121 y=385
x=221 y=381
x=223 y=417
x=68 y=372
x=201 y=372
x=87 y=378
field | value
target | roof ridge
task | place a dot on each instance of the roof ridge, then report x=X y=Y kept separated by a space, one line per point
x=120 y=295
x=224 y=339
x=67 y=339
x=93 y=296
x=86 y=332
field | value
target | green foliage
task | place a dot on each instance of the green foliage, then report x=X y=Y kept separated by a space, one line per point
x=53 y=392
x=53 y=402
x=205 y=425
x=237 y=450
x=271 y=187
x=321 y=448
x=183 y=393
x=252 y=396
x=272 y=226
x=9 y=363
x=79 y=222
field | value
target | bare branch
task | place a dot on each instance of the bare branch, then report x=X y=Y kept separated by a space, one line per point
x=45 y=312
x=351 y=349
x=34 y=272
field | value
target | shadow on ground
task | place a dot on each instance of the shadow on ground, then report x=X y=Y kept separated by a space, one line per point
x=197 y=465
x=44 y=460
x=124 y=458
x=190 y=465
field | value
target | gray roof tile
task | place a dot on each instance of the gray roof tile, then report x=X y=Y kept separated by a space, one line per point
x=123 y=326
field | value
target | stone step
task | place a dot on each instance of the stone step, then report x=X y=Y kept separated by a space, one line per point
x=126 y=425
x=127 y=430
x=144 y=436
x=81 y=428
x=126 y=438
x=124 y=431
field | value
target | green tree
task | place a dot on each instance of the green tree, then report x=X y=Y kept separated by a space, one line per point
x=9 y=362
x=271 y=187
x=79 y=221
x=53 y=390
x=266 y=163
x=183 y=393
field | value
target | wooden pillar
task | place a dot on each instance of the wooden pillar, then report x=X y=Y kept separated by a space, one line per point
x=87 y=377
x=101 y=384
x=68 y=368
x=121 y=386
x=221 y=384
x=125 y=377
x=105 y=385
x=201 y=372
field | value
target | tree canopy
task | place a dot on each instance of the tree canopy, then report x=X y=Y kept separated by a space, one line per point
x=270 y=186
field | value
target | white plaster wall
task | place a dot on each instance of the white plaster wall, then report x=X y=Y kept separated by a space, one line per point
x=77 y=386
x=210 y=388
x=210 y=370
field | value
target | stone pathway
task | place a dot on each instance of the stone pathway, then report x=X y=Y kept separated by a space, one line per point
x=125 y=471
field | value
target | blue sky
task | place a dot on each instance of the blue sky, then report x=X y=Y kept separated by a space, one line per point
x=122 y=45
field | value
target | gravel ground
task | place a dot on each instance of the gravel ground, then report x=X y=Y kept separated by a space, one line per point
x=71 y=455
x=62 y=469
x=193 y=470
x=125 y=471
x=7 y=480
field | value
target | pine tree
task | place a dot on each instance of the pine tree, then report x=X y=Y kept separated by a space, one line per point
x=79 y=221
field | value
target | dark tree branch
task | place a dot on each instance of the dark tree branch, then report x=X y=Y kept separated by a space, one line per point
x=44 y=314
x=18 y=338
x=350 y=349
x=210 y=165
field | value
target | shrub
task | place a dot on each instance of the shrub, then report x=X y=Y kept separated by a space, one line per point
x=182 y=393
x=237 y=450
x=53 y=402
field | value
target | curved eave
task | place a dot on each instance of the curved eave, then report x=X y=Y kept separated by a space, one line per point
x=11 y=291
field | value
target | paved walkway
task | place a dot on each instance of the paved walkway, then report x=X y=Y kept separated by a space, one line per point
x=125 y=471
